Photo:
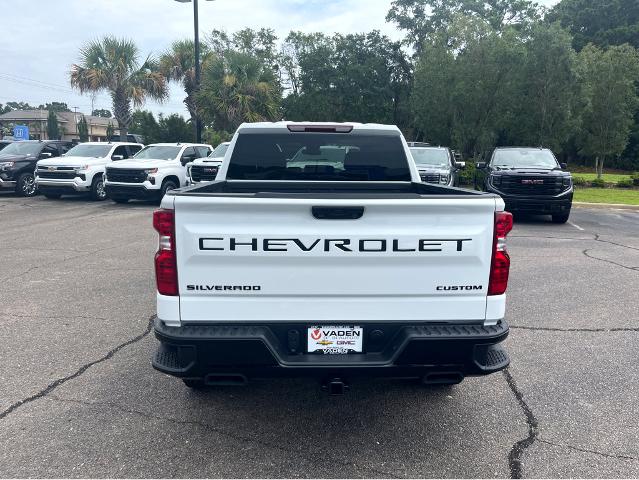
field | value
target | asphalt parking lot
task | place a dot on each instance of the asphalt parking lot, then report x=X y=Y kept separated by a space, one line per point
x=80 y=399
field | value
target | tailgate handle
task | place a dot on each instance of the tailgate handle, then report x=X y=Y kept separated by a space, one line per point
x=338 y=213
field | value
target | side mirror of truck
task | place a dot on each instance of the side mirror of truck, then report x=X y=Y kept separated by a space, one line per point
x=46 y=155
x=480 y=165
x=563 y=166
x=187 y=159
x=117 y=157
x=460 y=165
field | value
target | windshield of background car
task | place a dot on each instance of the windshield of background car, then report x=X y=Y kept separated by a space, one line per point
x=22 y=148
x=158 y=152
x=83 y=150
x=432 y=157
x=219 y=151
x=318 y=156
x=524 y=157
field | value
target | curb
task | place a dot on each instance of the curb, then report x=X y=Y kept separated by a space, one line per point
x=621 y=206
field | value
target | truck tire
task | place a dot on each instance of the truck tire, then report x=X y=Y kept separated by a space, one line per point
x=25 y=186
x=98 y=192
x=166 y=186
x=562 y=218
x=120 y=199
x=194 y=383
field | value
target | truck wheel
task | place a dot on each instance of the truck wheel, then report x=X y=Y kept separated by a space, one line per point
x=98 y=191
x=194 y=383
x=52 y=196
x=166 y=186
x=119 y=199
x=563 y=218
x=25 y=186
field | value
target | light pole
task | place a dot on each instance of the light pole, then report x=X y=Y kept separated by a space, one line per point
x=198 y=122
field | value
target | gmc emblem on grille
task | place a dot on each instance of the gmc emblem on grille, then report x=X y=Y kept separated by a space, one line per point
x=210 y=170
x=532 y=181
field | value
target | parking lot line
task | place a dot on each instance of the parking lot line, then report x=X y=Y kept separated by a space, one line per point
x=575 y=225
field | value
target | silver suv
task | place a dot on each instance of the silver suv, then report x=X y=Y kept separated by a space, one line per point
x=437 y=165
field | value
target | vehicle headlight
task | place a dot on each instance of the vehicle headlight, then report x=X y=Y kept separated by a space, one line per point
x=82 y=168
x=443 y=179
x=567 y=181
x=495 y=179
x=6 y=165
x=150 y=171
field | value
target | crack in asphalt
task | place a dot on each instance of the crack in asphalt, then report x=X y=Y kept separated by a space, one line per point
x=241 y=438
x=585 y=450
x=596 y=330
x=62 y=260
x=517 y=451
x=55 y=384
x=585 y=252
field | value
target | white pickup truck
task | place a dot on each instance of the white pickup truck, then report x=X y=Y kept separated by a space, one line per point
x=336 y=268
x=205 y=169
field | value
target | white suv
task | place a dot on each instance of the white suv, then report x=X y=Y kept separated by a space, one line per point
x=81 y=169
x=156 y=169
x=205 y=169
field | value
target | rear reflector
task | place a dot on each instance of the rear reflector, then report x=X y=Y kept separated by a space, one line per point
x=500 y=263
x=165 y=261
x=320 y=128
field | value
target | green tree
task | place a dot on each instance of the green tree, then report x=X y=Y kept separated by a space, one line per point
x=547 y=92
x=609 y=78
x=178 y=65
x=421 y=19
x=238 y=88
x=174 y=128
x=110 y=131
x=101 y=112
x=357 y=77
x=464 y=96
x=53 y=127
x=143 y=122
x=602 y=22
x=55 y=107
x=18 y=106
x=83 y=129
x=113 y=65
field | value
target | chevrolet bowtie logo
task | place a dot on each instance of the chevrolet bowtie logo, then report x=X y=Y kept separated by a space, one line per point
x=51 y=169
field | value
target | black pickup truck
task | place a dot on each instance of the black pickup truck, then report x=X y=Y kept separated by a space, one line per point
x=18 y=163
x=530 y=180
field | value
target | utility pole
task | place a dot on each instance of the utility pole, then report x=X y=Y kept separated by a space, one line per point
x=75 y=119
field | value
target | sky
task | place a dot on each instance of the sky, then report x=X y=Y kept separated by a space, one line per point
x=40 y=40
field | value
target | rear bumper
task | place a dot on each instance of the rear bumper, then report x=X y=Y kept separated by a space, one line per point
x=273 y=350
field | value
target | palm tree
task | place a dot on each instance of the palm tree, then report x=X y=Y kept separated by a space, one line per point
x=236 y=88
x=178 y=65
x=112 y=65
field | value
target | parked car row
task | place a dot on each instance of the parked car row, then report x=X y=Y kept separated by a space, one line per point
x=123 y=170
x=529 y=179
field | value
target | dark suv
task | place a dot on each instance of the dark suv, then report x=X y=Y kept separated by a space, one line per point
x=529 y=180
x=18 y=163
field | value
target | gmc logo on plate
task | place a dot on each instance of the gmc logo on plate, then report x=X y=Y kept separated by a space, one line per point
x=532 y=182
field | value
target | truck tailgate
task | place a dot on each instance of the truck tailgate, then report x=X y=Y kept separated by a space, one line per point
x=271 y=260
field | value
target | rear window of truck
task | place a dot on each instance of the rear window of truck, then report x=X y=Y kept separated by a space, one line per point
x=318 y=156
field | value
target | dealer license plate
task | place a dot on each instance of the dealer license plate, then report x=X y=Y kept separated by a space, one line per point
x=335 y=340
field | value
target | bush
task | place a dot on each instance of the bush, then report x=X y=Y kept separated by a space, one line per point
x=626 y=183
x=467 y=175
x=635 y=179
x=579 y=181
x=598 y=183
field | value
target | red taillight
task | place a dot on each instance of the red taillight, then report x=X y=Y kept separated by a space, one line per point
x=165 y=264
x=500 y=263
